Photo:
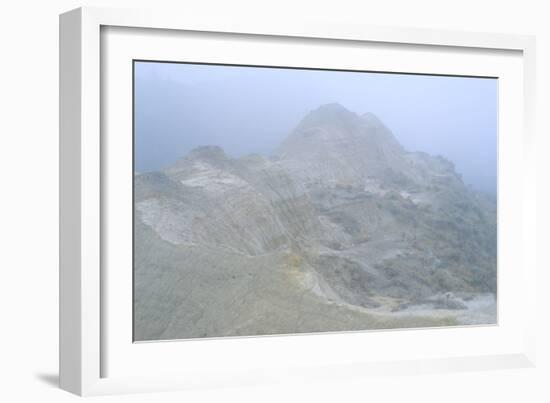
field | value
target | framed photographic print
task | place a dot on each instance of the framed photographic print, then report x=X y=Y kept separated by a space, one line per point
x=237 y=197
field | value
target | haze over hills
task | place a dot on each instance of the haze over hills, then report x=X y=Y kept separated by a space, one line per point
x=340 y=229
x=179 y=107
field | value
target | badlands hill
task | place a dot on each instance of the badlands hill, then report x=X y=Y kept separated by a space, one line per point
x=341 y=229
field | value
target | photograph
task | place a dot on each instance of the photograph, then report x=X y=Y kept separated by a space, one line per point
x=273 y=200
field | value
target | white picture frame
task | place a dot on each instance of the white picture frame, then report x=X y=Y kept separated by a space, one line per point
x=87 y=344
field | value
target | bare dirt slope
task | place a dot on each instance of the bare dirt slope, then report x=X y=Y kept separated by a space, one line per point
x=341 y=229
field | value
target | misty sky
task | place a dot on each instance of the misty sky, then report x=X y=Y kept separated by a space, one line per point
x=251 y=110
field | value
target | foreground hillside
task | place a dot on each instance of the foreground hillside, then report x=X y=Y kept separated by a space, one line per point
x=341 y=229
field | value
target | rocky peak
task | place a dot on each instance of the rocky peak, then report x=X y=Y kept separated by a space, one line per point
x=332 y=114
x=334 y=124
x=332 y=144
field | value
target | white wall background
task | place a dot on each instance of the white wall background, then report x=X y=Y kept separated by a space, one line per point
x=29 y=186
